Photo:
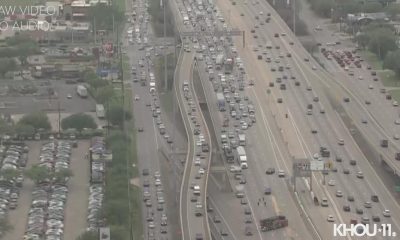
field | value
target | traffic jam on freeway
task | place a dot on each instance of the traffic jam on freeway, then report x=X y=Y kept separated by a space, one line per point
x=280 y=142
x=200 y=120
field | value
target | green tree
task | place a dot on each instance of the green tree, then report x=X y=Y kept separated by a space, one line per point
x=104 y=94
x=6 y=65
x=5 y=127
x=372 y=7
x=9 y=174
x=382 y=40
x=24 y=129
x=322 y=7
x=119 y=232
x=78 y=121
x=115 y=115
x=103 y=15
x=38 y=174
x=362 y=40
x=393 y=10
x=62 y=176
x=38 y=120
x=5 y=225
x=88 y=235
x=392 y=61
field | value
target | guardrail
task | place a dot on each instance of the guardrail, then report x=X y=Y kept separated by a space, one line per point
x=209 y=157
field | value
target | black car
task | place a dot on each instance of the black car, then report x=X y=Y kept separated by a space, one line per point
x=270 y=171
x=376 y=218
x=359 y=211
x=145 y=172
x=346 y=208
x=350 y=198
x=199 y=236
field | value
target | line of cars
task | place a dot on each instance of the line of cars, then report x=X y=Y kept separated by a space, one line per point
x=151 y=217
x=240 y=116
x=15 y=158
x=46 y=215
x=139 y=20
x=96 y=189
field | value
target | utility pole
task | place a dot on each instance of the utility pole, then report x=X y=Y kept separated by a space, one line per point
x=294 y=17
x=95 y=31
x=59 y=118
x=165 y=52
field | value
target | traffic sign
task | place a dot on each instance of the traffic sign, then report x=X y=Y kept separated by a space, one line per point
x=316 y=165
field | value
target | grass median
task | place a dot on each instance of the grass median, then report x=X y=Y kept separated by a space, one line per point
x=121 y=191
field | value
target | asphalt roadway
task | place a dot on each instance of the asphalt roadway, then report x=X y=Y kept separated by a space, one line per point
x=300 y=130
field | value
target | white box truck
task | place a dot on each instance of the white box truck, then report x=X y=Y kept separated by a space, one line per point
x=242 y=157
x=81 y=91
x=100 y=112
x=221 y=101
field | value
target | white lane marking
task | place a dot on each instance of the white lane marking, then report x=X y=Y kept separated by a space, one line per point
x=373 y=171
x=323 y=188
x=222 y=216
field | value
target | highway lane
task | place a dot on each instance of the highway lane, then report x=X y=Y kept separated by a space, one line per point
x=261 y=188
x=150 y=138
x=331 y=118
x=192 y=224
x=259 y=160
x=350 y=138
x=262 y=93
x=332 y=82
x=206 y=163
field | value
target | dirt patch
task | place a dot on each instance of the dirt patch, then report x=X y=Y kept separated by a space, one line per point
x=135 y=182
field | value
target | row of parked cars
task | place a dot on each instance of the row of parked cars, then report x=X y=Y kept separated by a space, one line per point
x=96 y=189
x=46 y=216
x=13 y=157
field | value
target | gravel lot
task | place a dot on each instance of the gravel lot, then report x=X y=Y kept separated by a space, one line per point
x=78 y=185
x=30 y=103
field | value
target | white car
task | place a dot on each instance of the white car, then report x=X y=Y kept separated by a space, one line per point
x=201 y=171
x=371 y=87
x=281 y=173
x=69 y=96
x=331 y=182
x=339 y=193
x=386 y=213
x=395 y=103
x=137 y=98
x=330 y=218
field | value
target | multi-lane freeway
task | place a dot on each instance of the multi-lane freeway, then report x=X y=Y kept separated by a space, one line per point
x=288 y=107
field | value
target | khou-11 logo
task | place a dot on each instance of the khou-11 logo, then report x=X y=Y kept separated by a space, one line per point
x=361 y=230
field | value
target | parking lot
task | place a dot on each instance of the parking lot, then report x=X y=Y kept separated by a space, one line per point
x=52 y=210
x=37 y=97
